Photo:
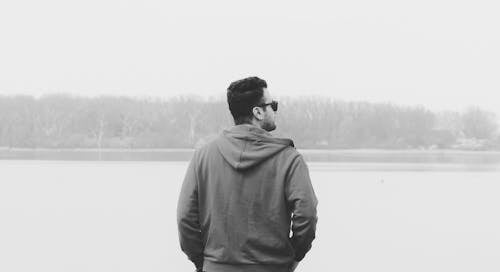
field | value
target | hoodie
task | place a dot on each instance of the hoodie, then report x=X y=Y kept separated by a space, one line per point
x=242 y=195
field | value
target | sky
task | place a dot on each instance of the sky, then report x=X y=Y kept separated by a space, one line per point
x=441 y=54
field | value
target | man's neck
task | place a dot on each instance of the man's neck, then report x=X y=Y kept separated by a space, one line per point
x=251 y=123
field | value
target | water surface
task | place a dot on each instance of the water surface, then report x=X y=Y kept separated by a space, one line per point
x=120 y=216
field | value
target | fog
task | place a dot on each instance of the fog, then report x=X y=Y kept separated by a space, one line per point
x=394 y=104
x=441 y=54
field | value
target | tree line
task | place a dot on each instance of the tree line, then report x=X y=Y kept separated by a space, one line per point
x=65 y=121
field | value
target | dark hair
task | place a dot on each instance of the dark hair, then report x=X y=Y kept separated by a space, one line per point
x=243 y=95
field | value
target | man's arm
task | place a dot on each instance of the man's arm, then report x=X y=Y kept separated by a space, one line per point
x=302 y=202
x=187 y=218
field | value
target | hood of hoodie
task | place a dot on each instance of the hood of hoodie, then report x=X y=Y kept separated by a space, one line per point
x=244 y=146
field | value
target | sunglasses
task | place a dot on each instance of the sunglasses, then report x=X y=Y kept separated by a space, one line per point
x=274 y=105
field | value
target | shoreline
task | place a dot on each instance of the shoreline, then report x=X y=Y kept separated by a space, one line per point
x=302 y=150
x=312 y=155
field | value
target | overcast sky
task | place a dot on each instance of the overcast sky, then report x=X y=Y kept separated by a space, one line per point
x=443 y=54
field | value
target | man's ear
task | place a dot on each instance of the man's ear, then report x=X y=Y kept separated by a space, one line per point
x=257 y=113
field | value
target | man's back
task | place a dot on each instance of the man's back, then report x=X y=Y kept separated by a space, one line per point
x=237 y=202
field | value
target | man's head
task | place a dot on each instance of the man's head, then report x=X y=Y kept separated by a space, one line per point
x=250 y=103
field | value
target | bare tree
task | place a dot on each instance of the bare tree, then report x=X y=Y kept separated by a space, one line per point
x=479 y=124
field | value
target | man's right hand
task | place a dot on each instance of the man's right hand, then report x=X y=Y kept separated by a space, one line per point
x=293 y=266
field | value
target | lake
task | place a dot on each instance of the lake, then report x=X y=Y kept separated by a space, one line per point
x=120 y=216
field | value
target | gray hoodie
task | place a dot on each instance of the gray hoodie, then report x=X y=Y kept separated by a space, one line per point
x=241 y=196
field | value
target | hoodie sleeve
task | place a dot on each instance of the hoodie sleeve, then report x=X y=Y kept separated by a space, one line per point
x=187 y=217
x=302 y=202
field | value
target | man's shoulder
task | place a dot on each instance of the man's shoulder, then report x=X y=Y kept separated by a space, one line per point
x=206 y=141
x=207 y=146
x=289 y=154
x=291 y=151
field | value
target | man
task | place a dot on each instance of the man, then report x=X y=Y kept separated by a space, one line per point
x=245 y=191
